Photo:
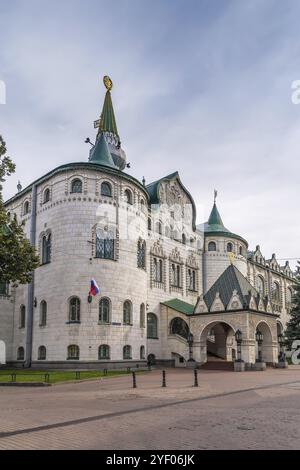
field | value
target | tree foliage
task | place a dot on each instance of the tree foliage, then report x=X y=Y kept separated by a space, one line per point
x=292 y=331
x=18 y=258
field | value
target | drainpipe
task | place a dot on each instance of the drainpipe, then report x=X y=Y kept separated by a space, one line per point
x=30 y=292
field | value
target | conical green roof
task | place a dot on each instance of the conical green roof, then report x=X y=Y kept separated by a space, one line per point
x=107 y=119
x=215 y=226
x=215 y=218
x=100 y=153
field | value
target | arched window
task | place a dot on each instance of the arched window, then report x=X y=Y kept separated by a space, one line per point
x=142 y=316
x=191 y=279
x=103 y=352
x=241 y=250
x=76 y=186
x=141 y=254
x=149 y=223
x=104 y=310
x=20 y=354
x=73 y=352
x=152 y=326
x=74 y=310
x=46 y=249
x=142 y=352
x=128 y=196
x=212 y=246
x=106 y=189
x=178 y=275
x=26 y=208
x=158 y=227
x=142 y=203
x=275 y=292
x=179 y=327
x=183 y=239
x=22 y=316
x=46 y=197
x=42 y=353
x=127 y=312
x=289 y=296
x=127 y=352
x=260 y=285
x=229 y=247
x=43 y=313
x=105 y=244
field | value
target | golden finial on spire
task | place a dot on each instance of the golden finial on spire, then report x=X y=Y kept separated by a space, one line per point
x=107 y=82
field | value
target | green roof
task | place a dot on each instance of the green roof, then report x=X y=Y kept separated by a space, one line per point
x=231 y=279
x=100 y=153
x=180 y=306
x=107 y=119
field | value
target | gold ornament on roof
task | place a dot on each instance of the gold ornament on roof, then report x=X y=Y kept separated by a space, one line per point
x=107 y=82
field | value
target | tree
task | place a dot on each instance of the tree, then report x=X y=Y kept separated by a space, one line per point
x=292 y=331
x=18 y=258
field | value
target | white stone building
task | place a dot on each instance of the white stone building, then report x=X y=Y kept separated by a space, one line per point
x=169 y=291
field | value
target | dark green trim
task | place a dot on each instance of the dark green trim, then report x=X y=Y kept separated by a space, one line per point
x=76 y=166
x=218 y=233
x=179 y=306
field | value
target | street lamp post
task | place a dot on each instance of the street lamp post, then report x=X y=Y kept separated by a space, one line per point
x=190 y=341
x=239 y=338
x=281 y=348
x=259 y=338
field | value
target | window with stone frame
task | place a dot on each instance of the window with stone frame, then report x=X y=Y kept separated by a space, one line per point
x=106 y=189
x=260 y=285
x=157 y=269
x=26 y=208
x=104 y=310
x=73 y=352
x=42 y=353
x=142 y=352
x=191 y=278
x=152 y=330
x=127 y=312
x=127 y=354
x=141 y=254
x=175 y=275
x=46 y=248
x=4 y=286
x=46 y=196
x=103 y=352
x=74 y=310
x=128 y=196
x=76 y=186
x=105 y=244
x=212 y=246
x=43 y=313
x=230 y=247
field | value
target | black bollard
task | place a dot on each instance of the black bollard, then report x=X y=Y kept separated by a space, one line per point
x=13 y=377
x=47 y=378
x=164 y=378
x=195 y=378
x=77 y=375
x=133 y=380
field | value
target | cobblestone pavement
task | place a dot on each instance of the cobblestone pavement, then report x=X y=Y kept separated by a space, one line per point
x=251 y=410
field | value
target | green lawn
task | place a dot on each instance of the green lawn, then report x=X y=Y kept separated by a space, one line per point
x=55 y=376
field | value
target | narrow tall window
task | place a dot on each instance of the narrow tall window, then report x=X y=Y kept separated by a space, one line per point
x=229 y=247
x=128 y=196
x=74 y=310
x=183 y=239
x=3 y=288
x=178 y=276
x=46 y=196
x=43 y=313
x=104 y=310
x=151 y=326
x=127 y=352
x=76 y=186
x=275 y=292
x=142 y=316
x=46 y=249
x=127 y=312
x=212 y=246
x=142 y=352
x=106 y=189
x=141 y=254
x=105 y=244
x=73 y=352
x=22 y=316
x=260 y=284
x=26 y=208
x=42 y=353
x=103 y=352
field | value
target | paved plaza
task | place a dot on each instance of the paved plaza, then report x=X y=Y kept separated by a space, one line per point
x=251 y=410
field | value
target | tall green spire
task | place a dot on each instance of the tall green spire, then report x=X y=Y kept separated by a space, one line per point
x=215 y=218
x=100 y=153
x=107 y=118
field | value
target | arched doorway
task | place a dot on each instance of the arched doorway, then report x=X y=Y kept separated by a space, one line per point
x=2 y=352
x=151 y=359
x=218 y=343
x=263 y=341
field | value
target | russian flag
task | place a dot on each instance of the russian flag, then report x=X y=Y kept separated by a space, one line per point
x=94 y=290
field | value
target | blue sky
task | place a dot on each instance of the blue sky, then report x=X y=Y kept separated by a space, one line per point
x=200 y=86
